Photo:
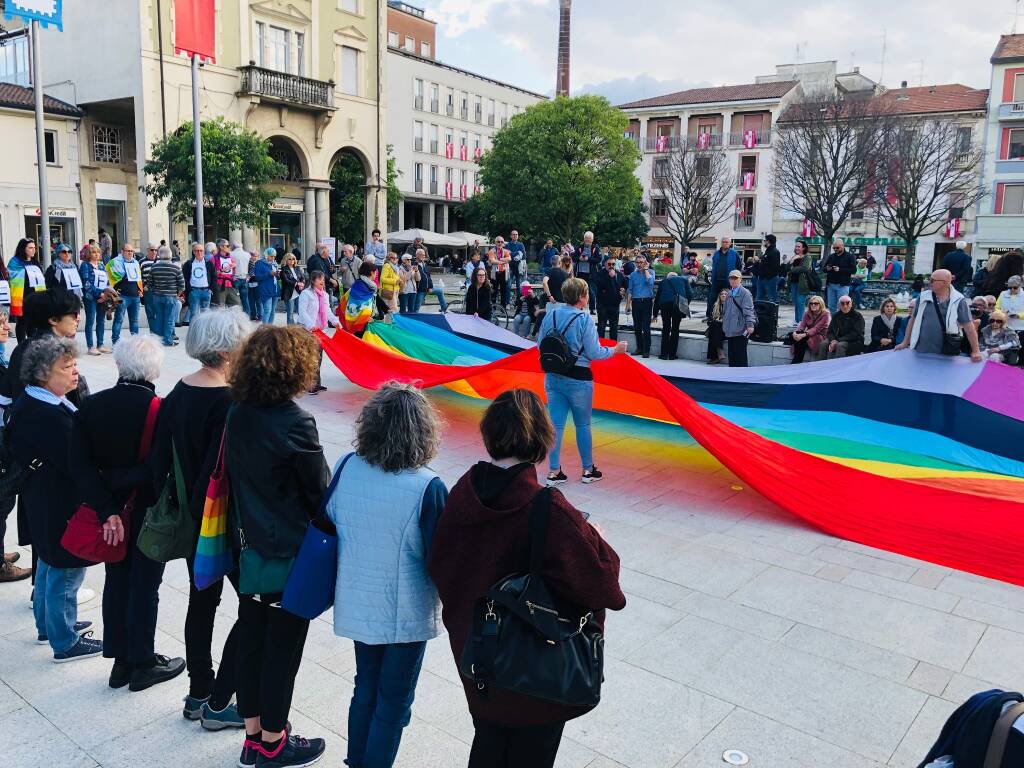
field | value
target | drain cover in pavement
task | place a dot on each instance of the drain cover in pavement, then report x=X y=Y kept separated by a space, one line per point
x=735 y=757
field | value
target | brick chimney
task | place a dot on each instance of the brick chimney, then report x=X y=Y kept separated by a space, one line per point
x=562 y=73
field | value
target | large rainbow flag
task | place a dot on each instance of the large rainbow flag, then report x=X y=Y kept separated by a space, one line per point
x=915 y=454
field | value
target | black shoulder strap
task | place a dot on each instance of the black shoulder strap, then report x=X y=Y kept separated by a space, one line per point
x=538 y=539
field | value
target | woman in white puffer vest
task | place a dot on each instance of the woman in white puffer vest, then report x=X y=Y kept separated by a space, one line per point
x=1011 y=301
x=386 y=505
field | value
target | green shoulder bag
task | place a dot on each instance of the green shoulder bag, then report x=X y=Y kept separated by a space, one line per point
x=169 y=531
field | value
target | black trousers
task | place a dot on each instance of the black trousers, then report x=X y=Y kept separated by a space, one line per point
x=608 y=322
x=21 y=328
x=131 y=598
x=499 y=746
x=590 y=291
x=269 y=652
x=737 y=351
x=202 y=610
x=716 y=339
x=642 y=309
x=670 y=319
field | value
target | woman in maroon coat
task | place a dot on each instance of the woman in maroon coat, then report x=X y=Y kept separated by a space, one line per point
x=481 y=538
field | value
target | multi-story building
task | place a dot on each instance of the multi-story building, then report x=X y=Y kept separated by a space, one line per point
x=440 y=121
x=306 y=74
x=738 y=118
x=865 y=232
x=19 y=190
x=1001 y=219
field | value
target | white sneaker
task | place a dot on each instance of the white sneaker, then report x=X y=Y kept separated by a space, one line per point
x=85 y=595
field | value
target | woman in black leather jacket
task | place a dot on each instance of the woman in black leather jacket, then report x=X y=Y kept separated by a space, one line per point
x=278 y=477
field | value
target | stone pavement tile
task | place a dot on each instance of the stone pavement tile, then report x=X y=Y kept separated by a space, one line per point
x=734 y=615
x=762 y=552
x=636 y=584
x=923 y=732
x=929 y=577
x=640 y=548
x=769 y=744
x=833 y=572
x=705 y=569
x=991 y=614
x=604 y=762
x=901 y=590
x=627 y=630
x=922 y=633
x=848 y=708
x=34 y=742
x=852 y=653
x=424 y=746
x=15 y=609
x=894 y=557
x=983 y=590
x=442 y=704
x=168 y=743
x=929 y=678
x=572 y=754
x=997 y=658
x=9 y=700
x=866 y=563
x=962 y=687
x=778 y=528
x=323 y=696
x=439 y=660
x=646 y=720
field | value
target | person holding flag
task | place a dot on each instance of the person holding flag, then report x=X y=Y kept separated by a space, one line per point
x=357 y=305
x=24 y=276
x=125 y=275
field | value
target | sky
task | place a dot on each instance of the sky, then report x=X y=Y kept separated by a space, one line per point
x=642 y=48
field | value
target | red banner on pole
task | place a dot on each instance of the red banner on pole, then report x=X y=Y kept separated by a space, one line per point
x=194 y=29
x=953 y=229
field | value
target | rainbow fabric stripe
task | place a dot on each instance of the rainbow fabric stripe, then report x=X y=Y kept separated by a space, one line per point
x=915 y=454
x=16 y=270
x=116 y=273
x=357 y=306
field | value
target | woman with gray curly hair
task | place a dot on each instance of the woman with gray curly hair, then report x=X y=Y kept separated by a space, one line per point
x=188 y=436
x=39 y=430
x=110 y=476
x=385 y=502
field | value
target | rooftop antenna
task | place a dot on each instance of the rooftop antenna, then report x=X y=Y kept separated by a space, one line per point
x=920 y=73
x=1016 y=16
x=885 y=40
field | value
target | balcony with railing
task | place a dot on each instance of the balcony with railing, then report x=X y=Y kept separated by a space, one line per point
x=449 y=109
x=761 y=139
x=433 y=187
x=697 y=140
x=417 y=144
x=433 y=146
x=417 y=102
x=302 y=92
x=1012 y=111
x=741 y=181
x=434 y=104
x=464 y=113
x=417 y=185
x=744 y=220
x=662 y=143
x=478 y=115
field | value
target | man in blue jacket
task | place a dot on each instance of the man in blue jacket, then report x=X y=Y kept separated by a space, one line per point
x=959 y=263
x=548 y=256
x=723 y=261
x=518 y=266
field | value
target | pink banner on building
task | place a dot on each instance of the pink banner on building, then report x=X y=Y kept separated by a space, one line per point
x=194 y=26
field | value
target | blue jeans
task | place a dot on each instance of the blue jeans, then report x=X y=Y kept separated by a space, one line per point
x=267 y=308
x=131 y=305
x=406 y=302
x=799 y=301
x=565 y=394
x=198 y=302
x=833 y=293
x=439 y=292
x=152 y=314
x=291 y=308
x=56 y=604
x=521 y=325
x=243 y=294
x=857 y=294
x=420 y=298
x=767 y=290
x=381 y=707
x=165 y=308
x=95 y=320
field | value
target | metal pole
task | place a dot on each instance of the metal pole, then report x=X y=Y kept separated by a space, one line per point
x=163 y=101
x=197 y=133
x=43 y=253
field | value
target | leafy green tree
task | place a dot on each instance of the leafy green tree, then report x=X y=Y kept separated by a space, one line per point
x=558 y=169
x=348 y=195
x=237 y=174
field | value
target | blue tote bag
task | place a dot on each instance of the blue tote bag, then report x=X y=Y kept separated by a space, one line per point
x=309 y=590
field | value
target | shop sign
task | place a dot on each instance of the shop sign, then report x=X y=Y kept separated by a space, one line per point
x=893 y=242
x=658 y=240
x=287 y=207
x=58 y=213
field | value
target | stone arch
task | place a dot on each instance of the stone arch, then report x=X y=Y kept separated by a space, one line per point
x=351 y=176
x=358 y=154
x=288 y=151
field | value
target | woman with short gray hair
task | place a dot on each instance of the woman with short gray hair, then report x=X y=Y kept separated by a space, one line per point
x=385 y=502
x=113 y=478
x=188 y=437
x=39 y=431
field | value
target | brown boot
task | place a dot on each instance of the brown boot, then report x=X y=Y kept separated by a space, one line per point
x=12 y=557
x=9 y=572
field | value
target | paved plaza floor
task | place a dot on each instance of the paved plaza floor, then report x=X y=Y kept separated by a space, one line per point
x=744 y=630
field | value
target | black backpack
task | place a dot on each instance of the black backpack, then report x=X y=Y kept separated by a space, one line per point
x=555 y=354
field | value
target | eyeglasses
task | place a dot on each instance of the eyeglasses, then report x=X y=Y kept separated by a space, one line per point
x=995 y=322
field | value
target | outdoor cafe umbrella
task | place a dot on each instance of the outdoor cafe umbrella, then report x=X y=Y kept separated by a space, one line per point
x=428 y=238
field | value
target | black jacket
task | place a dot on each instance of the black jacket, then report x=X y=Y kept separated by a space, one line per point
x=288 y=282
x=607 y=288
x=959 y=263
x=107 y=468
x=12 y=386
x=879 y=331
x=848 y=327
x=211 y=277
x=38 y=430
x=668 y=290
x=316 y=263
x=594 y=262
x=847 y=266
x=478 y=301
x=770 y=264
x=278 y=474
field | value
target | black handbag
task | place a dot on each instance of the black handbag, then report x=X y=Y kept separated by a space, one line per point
x=14 y=473
x=522 y=641
x=950 y=341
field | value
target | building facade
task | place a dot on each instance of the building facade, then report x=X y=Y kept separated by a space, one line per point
x=19 y=189
x=440 y=121
x=305 y=74
x=738 y=118
x=865 y=232
x=1001 y=218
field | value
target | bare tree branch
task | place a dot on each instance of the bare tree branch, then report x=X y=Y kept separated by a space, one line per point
x=697 y=186
x=931 y=167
